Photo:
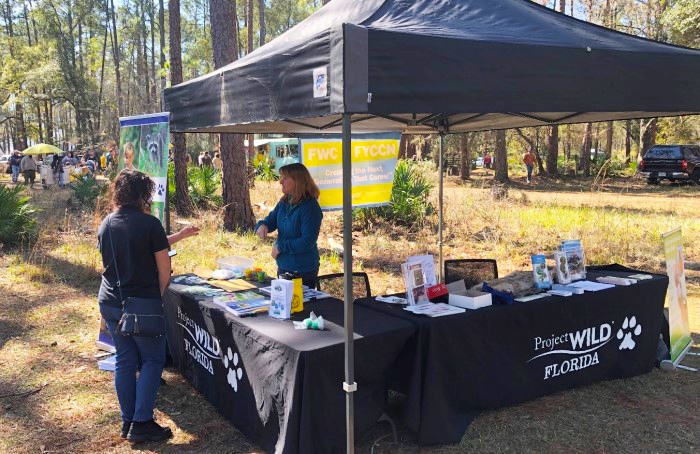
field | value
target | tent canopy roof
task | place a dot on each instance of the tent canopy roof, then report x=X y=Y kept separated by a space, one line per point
x=425 y=65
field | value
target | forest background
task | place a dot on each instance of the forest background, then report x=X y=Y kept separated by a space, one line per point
x=70 y=68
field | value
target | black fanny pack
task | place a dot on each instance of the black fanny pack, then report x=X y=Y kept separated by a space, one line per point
x=140 y=316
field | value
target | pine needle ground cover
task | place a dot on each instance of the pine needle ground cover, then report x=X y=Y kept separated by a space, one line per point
x=55 y=400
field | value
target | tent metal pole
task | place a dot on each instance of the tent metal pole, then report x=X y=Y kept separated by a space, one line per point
x=349 y=386
x=440 y=165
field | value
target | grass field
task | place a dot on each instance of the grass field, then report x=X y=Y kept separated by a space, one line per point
x=53 y=398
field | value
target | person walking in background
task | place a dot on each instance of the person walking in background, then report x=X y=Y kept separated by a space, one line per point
x=28 y=167
x=206 y=159
x=14 y=162
x=57 y=169
x=199 y=159
x=529 y=160
x=487 y=161
x=217 y=162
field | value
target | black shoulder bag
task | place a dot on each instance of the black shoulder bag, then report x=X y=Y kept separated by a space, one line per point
x=141 y=317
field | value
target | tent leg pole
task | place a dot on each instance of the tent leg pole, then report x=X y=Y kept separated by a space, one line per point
x=349 y=386
x=440 y=195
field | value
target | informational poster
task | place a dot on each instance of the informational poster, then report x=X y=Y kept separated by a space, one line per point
x=143 y=145
x=374 y=159
x=677 y=294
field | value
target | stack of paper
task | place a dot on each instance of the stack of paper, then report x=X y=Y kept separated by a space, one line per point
x=590 y=286
x=434 y=309
x=309 y=293
x=243 y=303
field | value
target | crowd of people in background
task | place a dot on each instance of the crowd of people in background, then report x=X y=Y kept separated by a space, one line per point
x=60 y=166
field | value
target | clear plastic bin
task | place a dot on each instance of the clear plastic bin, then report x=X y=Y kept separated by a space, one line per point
x=235 y=263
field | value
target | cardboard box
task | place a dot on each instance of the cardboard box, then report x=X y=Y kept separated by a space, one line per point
x=470 y=299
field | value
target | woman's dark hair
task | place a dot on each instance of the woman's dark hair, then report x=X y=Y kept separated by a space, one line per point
x=131 y=188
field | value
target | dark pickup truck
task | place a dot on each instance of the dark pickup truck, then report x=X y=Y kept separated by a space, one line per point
x=671 y=162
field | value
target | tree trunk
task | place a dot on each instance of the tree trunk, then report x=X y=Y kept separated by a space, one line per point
x=466 y=157
x=115 y=55
x=647 y=134
x=628 y=142
x=586 y=152
x=154 y=87
x=161 y=29
x=238 y=212
x=183 y=204
x=553 y=150
x=609 y=141
x=501 y=157
x=261 y=16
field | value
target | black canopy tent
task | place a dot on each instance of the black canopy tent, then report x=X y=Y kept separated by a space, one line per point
x=427 y=66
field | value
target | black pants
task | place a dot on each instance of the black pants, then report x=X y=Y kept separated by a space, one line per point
x=29 y=176
x=308 y=279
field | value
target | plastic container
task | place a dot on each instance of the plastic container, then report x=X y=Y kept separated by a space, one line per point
x=235 y=263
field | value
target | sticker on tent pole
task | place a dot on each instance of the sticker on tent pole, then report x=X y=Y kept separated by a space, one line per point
x=320 y=82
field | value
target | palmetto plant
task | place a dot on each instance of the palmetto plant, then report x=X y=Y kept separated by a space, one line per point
x=204 y=183
x=409 y=199
x=86 y=189
x=16 y=215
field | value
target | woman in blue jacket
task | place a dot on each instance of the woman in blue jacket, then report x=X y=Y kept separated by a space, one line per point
x=297 y=218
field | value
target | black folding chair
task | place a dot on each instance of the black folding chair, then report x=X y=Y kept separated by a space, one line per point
x=333 y=285
x=473 y=271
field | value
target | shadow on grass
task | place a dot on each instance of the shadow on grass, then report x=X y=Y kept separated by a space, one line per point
x=8 y=330
x=80 y=277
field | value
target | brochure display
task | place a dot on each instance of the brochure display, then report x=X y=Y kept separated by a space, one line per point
x=540 y=272
x=281 y=298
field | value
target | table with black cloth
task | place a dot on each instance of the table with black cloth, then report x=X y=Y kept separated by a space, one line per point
x=282 y=387
x=457 y=365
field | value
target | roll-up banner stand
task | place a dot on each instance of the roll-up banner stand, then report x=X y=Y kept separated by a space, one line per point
x=144 y=144
x=677 y=296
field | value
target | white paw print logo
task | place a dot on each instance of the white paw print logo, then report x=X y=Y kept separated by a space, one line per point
x=631 y=325
x=234 y=372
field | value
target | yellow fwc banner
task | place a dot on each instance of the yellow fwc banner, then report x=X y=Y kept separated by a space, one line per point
x=677 y=293
x=374 y=159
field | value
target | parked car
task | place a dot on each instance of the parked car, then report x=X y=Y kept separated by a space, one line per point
x=671 y=162
x=479 y=162
x=4 y=162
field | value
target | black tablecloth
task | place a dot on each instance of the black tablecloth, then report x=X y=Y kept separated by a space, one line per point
x=500 y=355
x=280 y=386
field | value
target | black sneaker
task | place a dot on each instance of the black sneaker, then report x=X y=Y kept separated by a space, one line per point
x=148 y=431
x=126 y=425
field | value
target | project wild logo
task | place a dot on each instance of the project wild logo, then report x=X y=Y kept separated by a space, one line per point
x=578 y=350
x=629 y=328
x=234 y=372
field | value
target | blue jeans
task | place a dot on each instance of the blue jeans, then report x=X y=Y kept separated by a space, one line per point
x=15 y=173
x=529 y=172
x=136 y=396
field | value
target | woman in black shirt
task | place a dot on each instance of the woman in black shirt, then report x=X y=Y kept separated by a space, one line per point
x=141 y=249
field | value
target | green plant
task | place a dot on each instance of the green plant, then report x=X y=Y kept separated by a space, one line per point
x=86 y=190
x=203 y=184
x=265 y=171
x=409 y=198
x=16 y=215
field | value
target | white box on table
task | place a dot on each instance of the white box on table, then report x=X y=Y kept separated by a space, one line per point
x=470 y=299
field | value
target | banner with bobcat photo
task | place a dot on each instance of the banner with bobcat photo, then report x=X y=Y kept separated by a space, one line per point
x=144 y=145
x=679 y=328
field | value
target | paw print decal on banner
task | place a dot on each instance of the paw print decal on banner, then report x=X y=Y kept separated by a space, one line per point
x=235 y=373
x=629 y=329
